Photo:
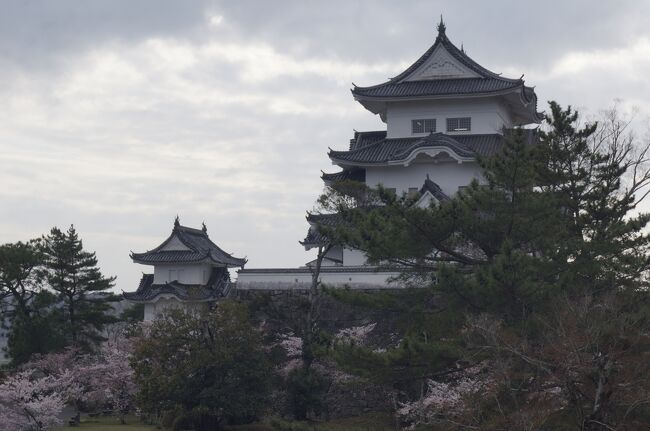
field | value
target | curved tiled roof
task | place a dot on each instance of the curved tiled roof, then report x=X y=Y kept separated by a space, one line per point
x=395 y=149
x=487 y=81
x=200 y=249
x=441 y=87
x=314 y=236
x=353 y=174
x=217 y=287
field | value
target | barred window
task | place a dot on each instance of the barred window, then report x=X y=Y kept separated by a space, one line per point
x=463 y=124
x=423 y=126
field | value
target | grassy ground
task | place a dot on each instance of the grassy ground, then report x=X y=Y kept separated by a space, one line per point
x=365 y=423
x=108 y=424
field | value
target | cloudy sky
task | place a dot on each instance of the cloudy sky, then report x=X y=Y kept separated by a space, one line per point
x=116 y=115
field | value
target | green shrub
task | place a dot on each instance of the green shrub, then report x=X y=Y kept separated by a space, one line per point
x=306 y=392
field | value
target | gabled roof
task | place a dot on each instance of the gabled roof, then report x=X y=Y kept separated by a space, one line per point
x=395 y=150
x=188 y=245
x=434 y=189
x=445 y=71
x=218 y=286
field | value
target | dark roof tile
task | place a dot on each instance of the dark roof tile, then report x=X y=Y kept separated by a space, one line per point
x=353 y=174
x=388 y=150
x=486 y=82
x=218 y=286
x=201 y=248
x=434 y=189
x=362 y=139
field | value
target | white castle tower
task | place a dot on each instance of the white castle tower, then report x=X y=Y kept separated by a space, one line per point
x=440 y=113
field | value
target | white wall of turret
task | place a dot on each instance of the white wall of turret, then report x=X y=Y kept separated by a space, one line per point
x=448 y=175
x=186 y=274
x=488 y=115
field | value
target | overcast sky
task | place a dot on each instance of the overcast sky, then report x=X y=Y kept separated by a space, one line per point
x=117 y=115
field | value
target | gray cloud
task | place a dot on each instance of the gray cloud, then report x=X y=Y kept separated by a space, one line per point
x=118 y=115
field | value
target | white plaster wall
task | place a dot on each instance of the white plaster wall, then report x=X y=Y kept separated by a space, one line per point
x=149 y=312
x=448 y=175
x=353 y=257
x=302 y=280
x=488 y=115
x=190 y=274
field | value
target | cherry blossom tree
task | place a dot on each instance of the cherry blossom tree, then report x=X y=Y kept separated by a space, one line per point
x=109 y=380
x=445 y=401
x=30 y=403
x=103 y=380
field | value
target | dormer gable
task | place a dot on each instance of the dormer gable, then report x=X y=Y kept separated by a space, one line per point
x=174 y=244
x=441 y=64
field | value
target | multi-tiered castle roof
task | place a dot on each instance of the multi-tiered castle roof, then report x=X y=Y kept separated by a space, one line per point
x=444 y=74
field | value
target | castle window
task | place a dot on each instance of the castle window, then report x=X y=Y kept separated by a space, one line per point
x=463 y=124
x=423 y=126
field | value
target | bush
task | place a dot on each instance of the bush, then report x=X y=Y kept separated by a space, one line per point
x=214 y=366
x=306 y=392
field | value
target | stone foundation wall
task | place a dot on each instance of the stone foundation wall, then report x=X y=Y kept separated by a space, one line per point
x=356 y=398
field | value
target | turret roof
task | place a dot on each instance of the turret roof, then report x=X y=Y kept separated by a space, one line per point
x=452 y=74
x=218 y=286
x=195 y=247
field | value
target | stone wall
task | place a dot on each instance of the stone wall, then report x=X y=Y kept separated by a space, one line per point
x=356 y=398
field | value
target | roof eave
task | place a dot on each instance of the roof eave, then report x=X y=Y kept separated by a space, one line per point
x=165 y=294
x=387 y=99
x=141 y=262
x=400 y=162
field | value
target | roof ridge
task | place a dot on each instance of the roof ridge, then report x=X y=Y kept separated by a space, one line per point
x=191 y=230
x=373 y=131
x=461 y=56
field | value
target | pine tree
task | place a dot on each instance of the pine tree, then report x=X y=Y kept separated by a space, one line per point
x=553 y=230
x=80 y=286
x=598 y=177
x=28 y=310
x=19 y=279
